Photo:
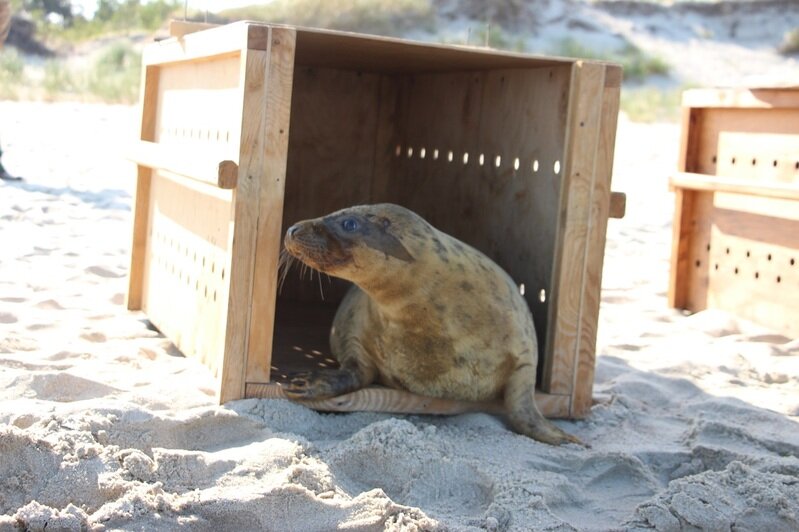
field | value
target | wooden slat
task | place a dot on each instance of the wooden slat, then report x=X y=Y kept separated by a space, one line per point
x=213 y=42
x=379 y=399
x=772 y=98
x=693 y=181
x=185 y=162
x=141 y=203
x=180 y=28
x=595 y=254
x=580 y=165
x=271 y=172
x=246 y=199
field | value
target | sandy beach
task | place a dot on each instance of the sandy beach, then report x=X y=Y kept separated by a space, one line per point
x=104 y=426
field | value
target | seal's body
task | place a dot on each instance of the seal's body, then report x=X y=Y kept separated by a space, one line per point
x=427 y=313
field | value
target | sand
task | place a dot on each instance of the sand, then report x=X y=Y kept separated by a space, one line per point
x=105 y=426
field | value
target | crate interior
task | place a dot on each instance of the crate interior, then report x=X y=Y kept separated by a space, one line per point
x=470 y=141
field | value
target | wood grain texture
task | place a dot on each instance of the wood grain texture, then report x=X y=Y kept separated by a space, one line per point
x=618 y=205
x=141 y=203
x=735 y=186
x=595 y=253
x=271 y=172
x=246 y=202
x=580 y=167
x=229 y=39
x=379 y=399
x=767 y=98
x=189 y=163
x=179 y=28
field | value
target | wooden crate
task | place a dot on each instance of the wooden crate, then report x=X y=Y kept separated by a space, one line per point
x=736 y=222
x=248 y=128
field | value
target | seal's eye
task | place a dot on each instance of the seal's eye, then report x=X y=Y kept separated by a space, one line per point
x=349 y=224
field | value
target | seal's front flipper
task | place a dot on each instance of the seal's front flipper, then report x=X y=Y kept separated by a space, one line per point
x=321 y=383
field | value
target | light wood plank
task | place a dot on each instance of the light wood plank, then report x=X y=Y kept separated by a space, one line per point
x=246 y=199
x=579 y=168
x=769 y=98
x=229 y=39
x=271 y=173
x=180 y=28
x=379 y=399
x=141 y=203
x=595 y=253
x=185 y=162
x=618 y=205
x=693 y=181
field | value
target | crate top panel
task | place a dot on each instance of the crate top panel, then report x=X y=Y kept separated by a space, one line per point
x=748 y=98
x=351 y=51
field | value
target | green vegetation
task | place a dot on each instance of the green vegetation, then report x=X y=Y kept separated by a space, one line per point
x=790 y=44
x=56 y=22
x=382 y=17
x=651 y=104
x=494 y=36
x=637 y=65
x=12 y=73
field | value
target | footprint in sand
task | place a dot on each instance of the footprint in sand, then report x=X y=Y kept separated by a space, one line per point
x=7 y=317
x=13 y=299
x=94 y=336
x=103 y=272
x=49 y=304
x=63 y=387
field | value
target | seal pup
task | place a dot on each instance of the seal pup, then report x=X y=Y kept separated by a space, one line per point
x=426 y=313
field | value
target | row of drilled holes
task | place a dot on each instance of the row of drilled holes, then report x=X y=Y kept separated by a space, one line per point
x=184 y=276
x=179 y=248
x=481 y=159
x=198 y=134
x=774 y=162
x=736 y=271
x=182 y=249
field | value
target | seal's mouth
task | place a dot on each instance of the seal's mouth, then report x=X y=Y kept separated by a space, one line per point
x=313 y=245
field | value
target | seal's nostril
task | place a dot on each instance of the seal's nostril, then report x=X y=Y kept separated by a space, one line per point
x=293 y=229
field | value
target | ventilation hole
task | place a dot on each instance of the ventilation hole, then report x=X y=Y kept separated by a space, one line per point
x=736 y=271
x=521 y=289
x=733 y=160
x=450 y=156
x=792 y=261
x=481 y=159
x=206 y=291
x=748 y=254
x=213 y=267
x=223 y=274
x=716 y=267
x=728 y=251
x=754 y=162
x=768 y=256
x=715 y=159
x=774 y=163
x=698 y=263
x=197 y=285
x=203 y=262
x=398 y=151
x=497 y=160
x=542 y=295
x=227 y=136
x=556 y=167
x=410 y=152
x=466 y=157
x=516 y=163
x=435 y=154
x=214 y=295
x=796 y=166
x=757 y=275
x=779 y=279
x=535 y=166
x=422 y=153
x=707 y=247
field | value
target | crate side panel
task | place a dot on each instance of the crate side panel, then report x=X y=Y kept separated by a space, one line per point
x=752 y=260
x=199 y=106
x=185 y=280
x=746 y=143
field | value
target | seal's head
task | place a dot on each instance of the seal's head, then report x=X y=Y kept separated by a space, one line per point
x=357 y=243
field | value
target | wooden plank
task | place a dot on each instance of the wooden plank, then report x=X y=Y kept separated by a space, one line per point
x=272 y=174
x=222 y=174
x=773 y=98
x=229 y=39
x=692 y=181
x=759 y=156
x=379 y=399
x=141 y=203
x=181 y=28
x=246 y=200
x=332 y=49
x=595 y=253
x=579 y=168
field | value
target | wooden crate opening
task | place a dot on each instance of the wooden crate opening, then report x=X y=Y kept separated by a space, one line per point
x=249 y=128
